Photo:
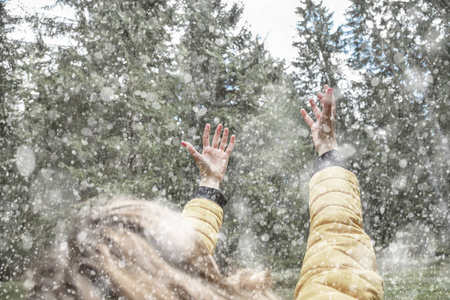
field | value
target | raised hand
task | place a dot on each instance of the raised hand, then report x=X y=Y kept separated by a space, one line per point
x=213 y=161
x=323 y=129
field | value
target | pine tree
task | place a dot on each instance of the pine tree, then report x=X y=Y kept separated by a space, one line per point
x=396 y=112
x=233 y=78
x=320 y=61
x=401 y=48
x=92 y=111
x=319 y=48
x=16 y=156
x=106 y=112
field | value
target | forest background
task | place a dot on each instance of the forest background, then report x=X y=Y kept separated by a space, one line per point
x=106 y=114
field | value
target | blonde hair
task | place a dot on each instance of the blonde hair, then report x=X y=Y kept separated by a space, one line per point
x=134 y=249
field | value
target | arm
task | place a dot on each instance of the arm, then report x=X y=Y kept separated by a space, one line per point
x=204 y=212
x=339 y=262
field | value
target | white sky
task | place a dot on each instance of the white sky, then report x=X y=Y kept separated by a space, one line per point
x=273 y=20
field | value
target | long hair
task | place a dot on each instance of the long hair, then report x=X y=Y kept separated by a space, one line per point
x=135 y=249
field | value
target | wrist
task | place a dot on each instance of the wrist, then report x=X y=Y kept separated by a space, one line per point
x=210 y=182
x=327 y=147
x=211 y=194
x=328 y=159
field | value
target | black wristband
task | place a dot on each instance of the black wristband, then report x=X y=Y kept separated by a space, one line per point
x=211 y=194
x=326 y=160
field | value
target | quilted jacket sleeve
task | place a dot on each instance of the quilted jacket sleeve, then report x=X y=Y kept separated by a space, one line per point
x=204 y=213
x=339 y=262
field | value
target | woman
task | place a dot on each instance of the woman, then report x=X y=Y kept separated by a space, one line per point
x=134 y=249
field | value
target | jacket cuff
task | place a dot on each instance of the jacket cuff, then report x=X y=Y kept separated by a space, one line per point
x=326 y=160
x=211 y=194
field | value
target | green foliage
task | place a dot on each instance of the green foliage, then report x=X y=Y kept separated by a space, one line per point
x=13 y=191
x=392 y=104
x=402 y=158
x=318 y=47
x=107 y=111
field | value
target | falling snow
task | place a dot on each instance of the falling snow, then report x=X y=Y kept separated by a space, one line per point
x=97 y=98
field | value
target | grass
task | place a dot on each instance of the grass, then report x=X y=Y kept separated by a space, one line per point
x=12 y=290
x=284 y=282
x=419 y=280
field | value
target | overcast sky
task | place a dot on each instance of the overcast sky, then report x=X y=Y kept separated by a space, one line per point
x=273 y=20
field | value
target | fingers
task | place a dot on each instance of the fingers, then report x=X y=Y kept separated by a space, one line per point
x=315 y=109
x=231 y=145
x=206 y=136
x=307 y=118
x=320 y=97
x=216 y=137
x=327 y=104
x=333 y=108
x=328 y=107
x=192 y=150
x=223 y=143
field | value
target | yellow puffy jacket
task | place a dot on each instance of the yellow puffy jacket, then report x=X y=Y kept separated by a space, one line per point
x=204 y=213
x=339 y=263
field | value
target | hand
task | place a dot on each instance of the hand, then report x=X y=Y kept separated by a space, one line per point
x=213 y=162
x=323 y=129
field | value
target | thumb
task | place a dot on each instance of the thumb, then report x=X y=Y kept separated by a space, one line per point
x=191 y=150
